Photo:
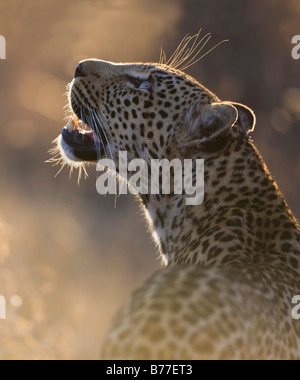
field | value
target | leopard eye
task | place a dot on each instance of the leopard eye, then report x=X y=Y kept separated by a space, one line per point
x=141 y=84
x=145 y=86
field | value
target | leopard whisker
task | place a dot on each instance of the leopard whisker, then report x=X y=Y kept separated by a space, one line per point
x=110 y=127
x=104 y=133
x=98 y=148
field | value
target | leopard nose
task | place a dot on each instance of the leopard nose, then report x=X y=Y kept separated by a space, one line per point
x=79 y=71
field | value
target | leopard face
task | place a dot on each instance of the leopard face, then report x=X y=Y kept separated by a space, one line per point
x=151 y=111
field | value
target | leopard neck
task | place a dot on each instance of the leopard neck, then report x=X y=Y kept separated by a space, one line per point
x=243 y=212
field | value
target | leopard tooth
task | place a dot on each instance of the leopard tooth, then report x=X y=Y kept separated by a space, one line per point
x=71 y=126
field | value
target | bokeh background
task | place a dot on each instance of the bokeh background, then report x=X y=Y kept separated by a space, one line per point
x=68 y=259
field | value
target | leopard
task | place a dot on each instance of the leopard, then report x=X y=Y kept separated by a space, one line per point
x=231 y=265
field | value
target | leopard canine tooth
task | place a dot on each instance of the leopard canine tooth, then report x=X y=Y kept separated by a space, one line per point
x=71 y=125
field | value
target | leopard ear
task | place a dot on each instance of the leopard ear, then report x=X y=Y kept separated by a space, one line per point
x=246 y=117
x=206 y=127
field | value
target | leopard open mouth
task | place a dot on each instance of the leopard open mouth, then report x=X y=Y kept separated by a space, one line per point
x=81 y=141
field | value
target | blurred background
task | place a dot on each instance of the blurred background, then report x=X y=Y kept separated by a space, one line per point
x=68 y=259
